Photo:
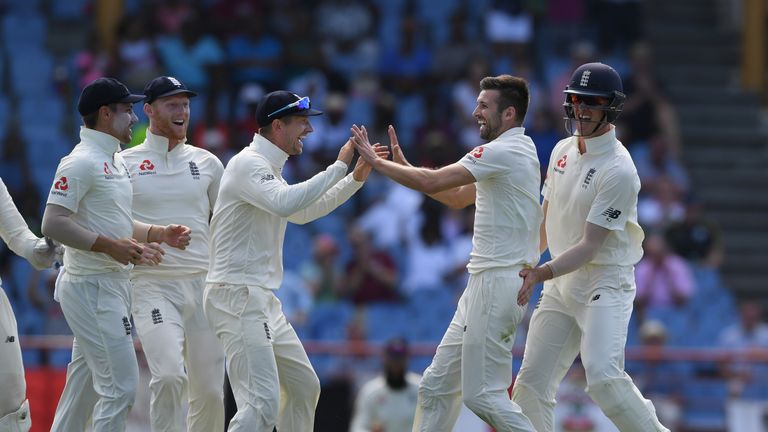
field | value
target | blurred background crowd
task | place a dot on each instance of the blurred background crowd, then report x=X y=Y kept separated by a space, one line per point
x=391 y=262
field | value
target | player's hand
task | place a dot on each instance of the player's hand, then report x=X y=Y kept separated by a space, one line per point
x=347 y=152
x=151 y=255
x=531 y=276
x=124 y=250
x=397 y=152
x=46 y=253
x=363 y=145
x=177 y=236
x=363 y=169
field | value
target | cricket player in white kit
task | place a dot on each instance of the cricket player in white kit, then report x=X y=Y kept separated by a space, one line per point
x=176 y=182
x=14 y=408
x=473 y=362
x=387 y=403
x=272 y=380
x=89 y=211
x=590 y=225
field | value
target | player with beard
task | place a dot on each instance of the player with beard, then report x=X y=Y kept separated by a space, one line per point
x=590 y=226
x=175 y=181
x=387 y=403
x=473 y=363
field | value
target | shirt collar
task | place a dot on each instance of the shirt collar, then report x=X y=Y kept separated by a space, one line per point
x=512 y=131
x=602 y=143
x=269 y=150
x=101 y=140
x=159 y=143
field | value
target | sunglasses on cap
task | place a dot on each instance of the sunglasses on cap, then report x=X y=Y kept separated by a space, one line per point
x=301 y=104
x=587 y=100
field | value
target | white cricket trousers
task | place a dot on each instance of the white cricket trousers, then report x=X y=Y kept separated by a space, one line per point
x=103 y=373
x=264 y=356
x=14 y=410
x=473 y=362
x=184 y=356
x=585 y=312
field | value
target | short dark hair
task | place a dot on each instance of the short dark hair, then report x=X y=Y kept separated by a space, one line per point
x=89 y=120
x=513 y=91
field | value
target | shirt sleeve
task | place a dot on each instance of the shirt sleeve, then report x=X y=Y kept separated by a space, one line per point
x=484 y=162
x=334 y=197
x=13 y=227
x=266 y=191
x=213 y=188
x=616 y=196
x=73 y=180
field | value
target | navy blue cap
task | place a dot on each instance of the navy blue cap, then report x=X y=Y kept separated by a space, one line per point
x=272 y=106
x=163 y=86
x=104 y=91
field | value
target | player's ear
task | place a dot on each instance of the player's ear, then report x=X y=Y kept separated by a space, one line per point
x=148 y=109
x=510 y=113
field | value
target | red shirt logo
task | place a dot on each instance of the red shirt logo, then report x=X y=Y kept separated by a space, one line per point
x=147 y=165
x=107 y=171
x=477 y=151
x=61 y=184
x=561 y=163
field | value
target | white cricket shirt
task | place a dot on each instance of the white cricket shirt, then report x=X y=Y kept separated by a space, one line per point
x=599 y=186
x=178 y=186
x=253 y=208
x=93 y=182
x=13 y=227
x=378 y=405
x=507 y=209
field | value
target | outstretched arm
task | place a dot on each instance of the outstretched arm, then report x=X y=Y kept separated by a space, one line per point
x=444 y=184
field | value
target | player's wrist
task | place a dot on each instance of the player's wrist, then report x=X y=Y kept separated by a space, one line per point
x=548 y=270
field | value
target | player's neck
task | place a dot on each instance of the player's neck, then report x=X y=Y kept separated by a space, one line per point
x=582 y=145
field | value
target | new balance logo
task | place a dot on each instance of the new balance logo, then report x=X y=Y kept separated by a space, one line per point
x=595 y=298
x=157 y=317
x=127 y=325
x=194 y=171
x=266 y=331
x=10 y=339
x=266 y=178
x=611 y=213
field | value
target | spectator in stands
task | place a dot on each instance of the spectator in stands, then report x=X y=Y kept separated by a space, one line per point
x=296 y=298
x=371 y=275
x=663 y=278
x=661 y=207
x=428 y=259
x=451 y=58
x=746 y=377
x=661 y=380
x=648 y=111
x=192 y=55
x=137 y=60
x=387 y=403
x=696 y=238
x=321 y=273
x=254 y=54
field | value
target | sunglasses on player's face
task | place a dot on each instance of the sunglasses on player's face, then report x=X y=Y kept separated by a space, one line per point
x=301 y=104
x=588 y=100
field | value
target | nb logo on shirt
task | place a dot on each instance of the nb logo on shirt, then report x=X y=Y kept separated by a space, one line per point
x=267 y=177
x=10 y=339
x=611 y=213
